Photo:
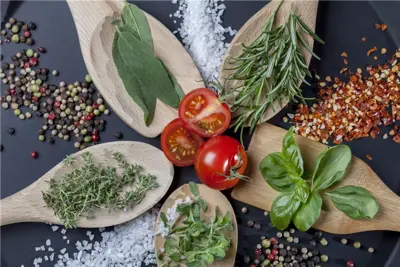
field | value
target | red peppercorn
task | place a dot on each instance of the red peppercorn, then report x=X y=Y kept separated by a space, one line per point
x=350 y=264
x=27 y=65
x=95 y=138
x=57 y=104
x=271 y=257
x=88 y=118
x=258 y=252
x=273 y=241
x=34 y=154
x=34 y=99
x=91 y=115
x=95 y=105
x=27 y=34
x=42 y=49
x=95 y=132
x=252 y=265
x=52 y=116
x=12 y=91
x=275 y=251
x=33 y=61
x=42 y=90
x=76 y=124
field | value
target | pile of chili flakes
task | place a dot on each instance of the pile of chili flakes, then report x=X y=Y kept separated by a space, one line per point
x=354 y=109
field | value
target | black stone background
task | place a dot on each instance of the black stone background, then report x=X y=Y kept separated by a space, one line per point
x=340 y=24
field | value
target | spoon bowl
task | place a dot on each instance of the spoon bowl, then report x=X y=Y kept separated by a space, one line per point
x=28 y=205
x=215 y=199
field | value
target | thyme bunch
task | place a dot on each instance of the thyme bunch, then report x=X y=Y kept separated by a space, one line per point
x=92 y=186
x=270 y=70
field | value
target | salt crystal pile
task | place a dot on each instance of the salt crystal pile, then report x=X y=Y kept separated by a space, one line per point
x=202 y=34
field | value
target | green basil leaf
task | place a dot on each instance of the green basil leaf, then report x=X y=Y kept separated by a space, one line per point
x=283 y=209
x=194 y=188
x=135 y=18
x=174 y=81
x=147 y=68
x=330 y=167
x=356 y=202
x=301 y=190
x=291 y=155
x=144 y=100
x=272 y=168
x=308 y=212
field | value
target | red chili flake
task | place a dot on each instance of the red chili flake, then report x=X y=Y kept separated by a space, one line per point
x=345 y=61
x=344 y=54
x=372 y=50
x=397 y=138
x=33 y=61
x=368 y=156
x=377 y=26
x=384 y=27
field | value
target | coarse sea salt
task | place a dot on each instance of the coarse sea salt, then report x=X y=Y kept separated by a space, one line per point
x=203 y=35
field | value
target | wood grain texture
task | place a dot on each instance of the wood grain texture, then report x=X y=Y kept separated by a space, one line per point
x=215 y=199
x=96 y=34
x=28 y=205
x=253 y=28
x=268 y=138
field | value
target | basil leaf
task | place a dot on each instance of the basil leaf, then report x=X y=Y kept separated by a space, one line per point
x=174 y=81
x=291 y=155
x=283 y=208
x=144 y=100
x=272 y=168
x=135 y=18
x=308 y=212
x=194 y=189
x=301 y=190
x=147 y=68
x=354 y=201
x=330 y=167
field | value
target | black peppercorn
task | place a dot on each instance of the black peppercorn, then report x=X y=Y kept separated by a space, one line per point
x=14 y=58
x=315 y=252
x=257 y=226
x=296 y=264
x=20 y=23
x=43 y=77
x=250 y=223
x=316 y=259
x=299 y=258
x=44 y=71
x=64 y=131
x=51 y=140
x=101 y=127
x=294 y=250
x=25 y=27
x=310 y=264
x=96 y=122
x=118 y=135
x=7 y=39
x=5 y=66
x=1 y=147
x=22 y=39
x=31 y=26
x=41 y=132
x=282 y=252
x=276 y=246
x=288 y=259
x=11 y=131
x=303 y=264
x=24 y=58
x=29 y=41
x=246 y=259
x=37 y=71
x=39 y=114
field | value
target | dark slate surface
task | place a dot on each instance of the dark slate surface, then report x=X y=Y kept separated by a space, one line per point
x=340 y=24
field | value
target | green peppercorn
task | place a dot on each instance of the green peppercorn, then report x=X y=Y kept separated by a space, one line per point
x=42 y=138
x=29 y=41
x=324 y=258
x=324 y=242
x=68 y=111
x=344 y=241
x=102 y=108
x=35 y=88
x=38 y=95
x=15 y=38
x=21 y=116
x=87 y=139
x=88 y=79
x=357 y=244
x=39 y=82
x=82 y=105
x=15 y=29
x=266 y=263
x=266 y=243
x=83 y=132
x=89 y=109
x=17 y=112
x=29 y=53
x=28 y=115
x=96 y=112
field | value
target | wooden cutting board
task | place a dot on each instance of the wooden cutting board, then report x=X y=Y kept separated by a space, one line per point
x=268 y=138
x=96 y=34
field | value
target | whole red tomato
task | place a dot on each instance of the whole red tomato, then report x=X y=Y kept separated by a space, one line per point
x=220 y=162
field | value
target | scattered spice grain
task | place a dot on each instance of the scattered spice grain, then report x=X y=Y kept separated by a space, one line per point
x=384 y=27
x=370 y=51
x=368 y=156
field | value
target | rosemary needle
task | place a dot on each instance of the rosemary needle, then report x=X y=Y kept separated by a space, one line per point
x=92 y=186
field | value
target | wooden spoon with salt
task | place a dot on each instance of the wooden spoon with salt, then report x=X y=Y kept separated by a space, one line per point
x=28 y=205
x=253 y=28
x=96 y=34
x=215 y=199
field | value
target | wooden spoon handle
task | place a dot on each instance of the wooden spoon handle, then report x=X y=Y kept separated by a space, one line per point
x=14 y=210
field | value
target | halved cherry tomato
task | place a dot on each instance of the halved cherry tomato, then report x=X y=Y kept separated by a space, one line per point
x=203 y=113
x=220 y=162
x=180 y=144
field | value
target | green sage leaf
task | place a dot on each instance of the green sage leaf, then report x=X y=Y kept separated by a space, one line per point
x=134 y=17
x=194 y=188
x=283 y=209
x=273 y=169
x=308 y=213
x=356 y=202
x=301 y=190
x=291 y=155
x=330 y=167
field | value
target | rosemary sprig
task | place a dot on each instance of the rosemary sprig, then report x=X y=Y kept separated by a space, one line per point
x=92 y=186
x=270 y=70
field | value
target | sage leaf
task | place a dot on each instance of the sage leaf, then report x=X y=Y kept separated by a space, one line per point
x=135 y=18
x=301 y=190
x=283 y=209
x=174 y=81
x=330 y=167
x=291 y=155
x=273 y=169
x=356 y=202
x=308 y=212
x=144 y=100
x=147 y=68
x=194 y=188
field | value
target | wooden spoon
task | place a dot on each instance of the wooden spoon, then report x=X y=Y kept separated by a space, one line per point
x=253 y=28
x=215 y=199
x=96 y=34
x=28 y=205
x=268 y=138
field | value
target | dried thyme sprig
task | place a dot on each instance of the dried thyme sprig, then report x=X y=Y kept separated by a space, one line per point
x=270 y=68
x=93 y=186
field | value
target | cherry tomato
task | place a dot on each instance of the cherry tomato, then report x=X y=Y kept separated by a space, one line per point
x=203 y=113
x=179 y=144
x=220 y=162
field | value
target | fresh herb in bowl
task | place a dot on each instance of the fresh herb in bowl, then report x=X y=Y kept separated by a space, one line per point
x=300 y=200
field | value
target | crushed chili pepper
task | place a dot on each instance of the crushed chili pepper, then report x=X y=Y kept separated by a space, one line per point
x=344 y=54
x=345 y=61
x=373 y=49
x=377 y=26
x=348 y=110
x=384 y=27
x=368 y=156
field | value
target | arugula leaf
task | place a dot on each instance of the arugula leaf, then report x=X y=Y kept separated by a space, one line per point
x=354 y=201
x=283 y=208
x=135 y=18
x=291 y=155
x=301 y=190
x=330 y=167
x=273 y=169
x=308 y=213
x=194 y=188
